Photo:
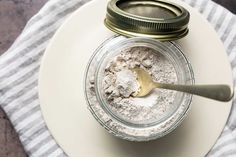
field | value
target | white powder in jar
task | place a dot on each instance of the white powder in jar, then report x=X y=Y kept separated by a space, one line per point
x=120 y=85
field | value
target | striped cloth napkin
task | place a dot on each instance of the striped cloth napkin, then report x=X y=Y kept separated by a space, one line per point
x=19 y=68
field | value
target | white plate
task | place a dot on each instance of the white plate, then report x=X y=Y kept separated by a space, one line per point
x=63 y=103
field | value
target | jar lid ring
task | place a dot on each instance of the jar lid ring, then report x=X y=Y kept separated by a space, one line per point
x=157 y=19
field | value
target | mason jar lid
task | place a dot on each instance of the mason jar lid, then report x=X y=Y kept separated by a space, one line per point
x=157 y=19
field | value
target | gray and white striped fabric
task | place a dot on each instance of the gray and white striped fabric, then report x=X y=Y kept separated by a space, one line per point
x=19 y=68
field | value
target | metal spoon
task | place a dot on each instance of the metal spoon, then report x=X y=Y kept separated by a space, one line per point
x=216 y=92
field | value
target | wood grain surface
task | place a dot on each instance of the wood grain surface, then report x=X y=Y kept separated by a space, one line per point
x=13 y=16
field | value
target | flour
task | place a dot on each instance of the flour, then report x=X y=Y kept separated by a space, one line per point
x=126 y=84
x=120 y=85
x=136 y=119
x=110 y=89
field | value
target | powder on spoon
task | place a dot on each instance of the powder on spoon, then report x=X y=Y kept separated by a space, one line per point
x=120 y=85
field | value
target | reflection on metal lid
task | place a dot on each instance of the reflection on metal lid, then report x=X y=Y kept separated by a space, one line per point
x=147 y=18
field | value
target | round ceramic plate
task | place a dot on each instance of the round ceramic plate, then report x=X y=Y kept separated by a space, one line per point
x=63 y=104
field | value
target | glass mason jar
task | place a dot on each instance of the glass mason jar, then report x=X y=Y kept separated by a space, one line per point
x=114 y=122
x=140 y=24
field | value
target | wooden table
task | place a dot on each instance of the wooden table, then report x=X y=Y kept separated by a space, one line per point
x=13 y=16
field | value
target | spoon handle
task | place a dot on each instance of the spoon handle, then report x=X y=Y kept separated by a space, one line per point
x=217 y=92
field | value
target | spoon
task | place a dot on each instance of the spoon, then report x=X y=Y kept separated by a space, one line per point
x=217 y=92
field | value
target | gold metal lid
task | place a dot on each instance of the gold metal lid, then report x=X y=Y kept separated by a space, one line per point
x=157 y=19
